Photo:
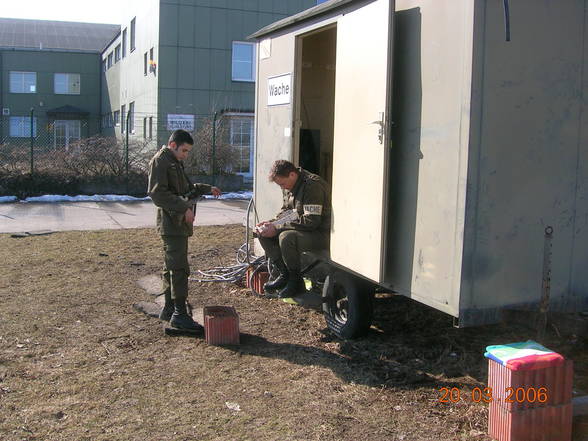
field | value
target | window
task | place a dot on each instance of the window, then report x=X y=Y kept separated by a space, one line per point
x=144 y=128
x=20 y=126
x=104 y=65
x=243 y=61
x=318 y=2
x=109 y=60
x=145 y=63
x=23 y=82
x=150 y=127
x=123 y=118
x=65 y=132
x=117 y=54
x=133 y=34
x=240 y=138
x=132 y=117
x=124 y=43
x=116 y=117
x=66 y=83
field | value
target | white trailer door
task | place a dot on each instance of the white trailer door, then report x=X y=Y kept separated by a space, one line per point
x=360 y=142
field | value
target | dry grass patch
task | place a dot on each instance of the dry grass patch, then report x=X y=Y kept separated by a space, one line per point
x=77 y=362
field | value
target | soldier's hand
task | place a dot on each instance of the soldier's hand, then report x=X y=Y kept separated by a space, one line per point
x=216 y=192
x=268 y=230
x=189 y=216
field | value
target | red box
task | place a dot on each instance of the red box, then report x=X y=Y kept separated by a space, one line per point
x=550 y=423
x=259 y=279
x=540 y=407
x=556 y=382
x=221 y=325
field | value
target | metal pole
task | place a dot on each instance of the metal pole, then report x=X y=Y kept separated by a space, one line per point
x=32 y=141
x=214 y=148
x=128 y=118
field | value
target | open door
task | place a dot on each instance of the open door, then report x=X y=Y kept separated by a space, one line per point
x=360 y=157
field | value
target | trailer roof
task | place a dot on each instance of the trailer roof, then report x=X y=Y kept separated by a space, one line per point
x=301 y=16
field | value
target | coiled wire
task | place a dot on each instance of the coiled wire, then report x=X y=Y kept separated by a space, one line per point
x=237 y=272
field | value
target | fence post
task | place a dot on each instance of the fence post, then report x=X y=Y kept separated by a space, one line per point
x=128 y=118
x=214 y=148
x=32 y=141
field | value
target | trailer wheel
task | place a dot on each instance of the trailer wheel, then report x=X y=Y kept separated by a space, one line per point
x=347 y=304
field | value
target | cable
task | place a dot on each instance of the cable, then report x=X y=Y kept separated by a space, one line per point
x=236 y=273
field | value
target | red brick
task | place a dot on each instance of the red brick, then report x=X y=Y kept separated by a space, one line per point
x=221 y=325
x=557 y=381
x=259 y=278
x=550 y=423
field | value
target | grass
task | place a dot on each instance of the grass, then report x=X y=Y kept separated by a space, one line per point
x=77 y=362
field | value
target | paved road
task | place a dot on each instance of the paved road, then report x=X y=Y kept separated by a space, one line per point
x=66 y=216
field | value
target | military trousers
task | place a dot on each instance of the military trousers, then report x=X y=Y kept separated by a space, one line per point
x=176 y=268
x=290 y=244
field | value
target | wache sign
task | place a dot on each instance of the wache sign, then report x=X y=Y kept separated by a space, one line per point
x=279 y=90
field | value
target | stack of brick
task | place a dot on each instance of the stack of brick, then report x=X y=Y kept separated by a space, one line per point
x=256 y=280
x=221 y=325
x=531 y=398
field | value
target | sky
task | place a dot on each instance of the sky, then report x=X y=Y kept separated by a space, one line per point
x=89 y=11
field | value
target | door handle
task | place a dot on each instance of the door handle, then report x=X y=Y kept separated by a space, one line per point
x=381 y=123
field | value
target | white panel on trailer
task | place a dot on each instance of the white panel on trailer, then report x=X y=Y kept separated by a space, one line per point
x=359 y=152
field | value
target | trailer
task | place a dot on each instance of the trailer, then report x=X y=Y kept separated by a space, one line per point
x=454 y=136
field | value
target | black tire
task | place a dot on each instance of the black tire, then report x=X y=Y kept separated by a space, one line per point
x=347 y=304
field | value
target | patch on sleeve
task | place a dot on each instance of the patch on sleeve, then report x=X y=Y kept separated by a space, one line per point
x=313 y=209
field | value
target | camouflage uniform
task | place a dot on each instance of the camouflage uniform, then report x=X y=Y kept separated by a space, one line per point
x=167 y=182
x=311 y=199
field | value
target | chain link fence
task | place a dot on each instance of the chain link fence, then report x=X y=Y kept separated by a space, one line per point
x=94 y=156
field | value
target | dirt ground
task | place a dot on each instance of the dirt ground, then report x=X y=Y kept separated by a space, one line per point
x=77 y=362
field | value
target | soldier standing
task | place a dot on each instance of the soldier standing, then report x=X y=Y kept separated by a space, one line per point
x=168 y=187
x=306 y=196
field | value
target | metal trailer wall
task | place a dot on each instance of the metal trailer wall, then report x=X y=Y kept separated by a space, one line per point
x=528 y=158
x=487 y=149
x=429 y=149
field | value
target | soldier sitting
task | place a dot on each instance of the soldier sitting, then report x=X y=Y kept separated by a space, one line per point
x=303 y=224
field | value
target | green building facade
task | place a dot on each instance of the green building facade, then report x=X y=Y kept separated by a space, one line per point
x=50 y=70
x=183 y=61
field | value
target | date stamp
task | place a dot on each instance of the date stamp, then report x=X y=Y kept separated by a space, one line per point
x=487 y=395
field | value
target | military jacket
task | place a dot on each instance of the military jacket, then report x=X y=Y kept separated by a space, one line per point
x=311 y=199
x=167 y=183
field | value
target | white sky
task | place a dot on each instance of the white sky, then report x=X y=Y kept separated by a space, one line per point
x=89 y=11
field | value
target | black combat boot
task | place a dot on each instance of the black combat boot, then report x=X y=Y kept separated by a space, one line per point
x=180 y=318
x=168 y=308
x=280 y=281
x=294 y=286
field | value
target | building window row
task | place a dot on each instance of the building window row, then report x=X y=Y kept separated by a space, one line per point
x=133 y=33
x=64 y=131
x=148 y=128
x=148 y=62
x=63 y=83
x=243 y=61
x=66 y=83
x=23 y=82
x=111 y=119
x=123 y=117
x=20 y=126
x=241 y=140
x=120 y=51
